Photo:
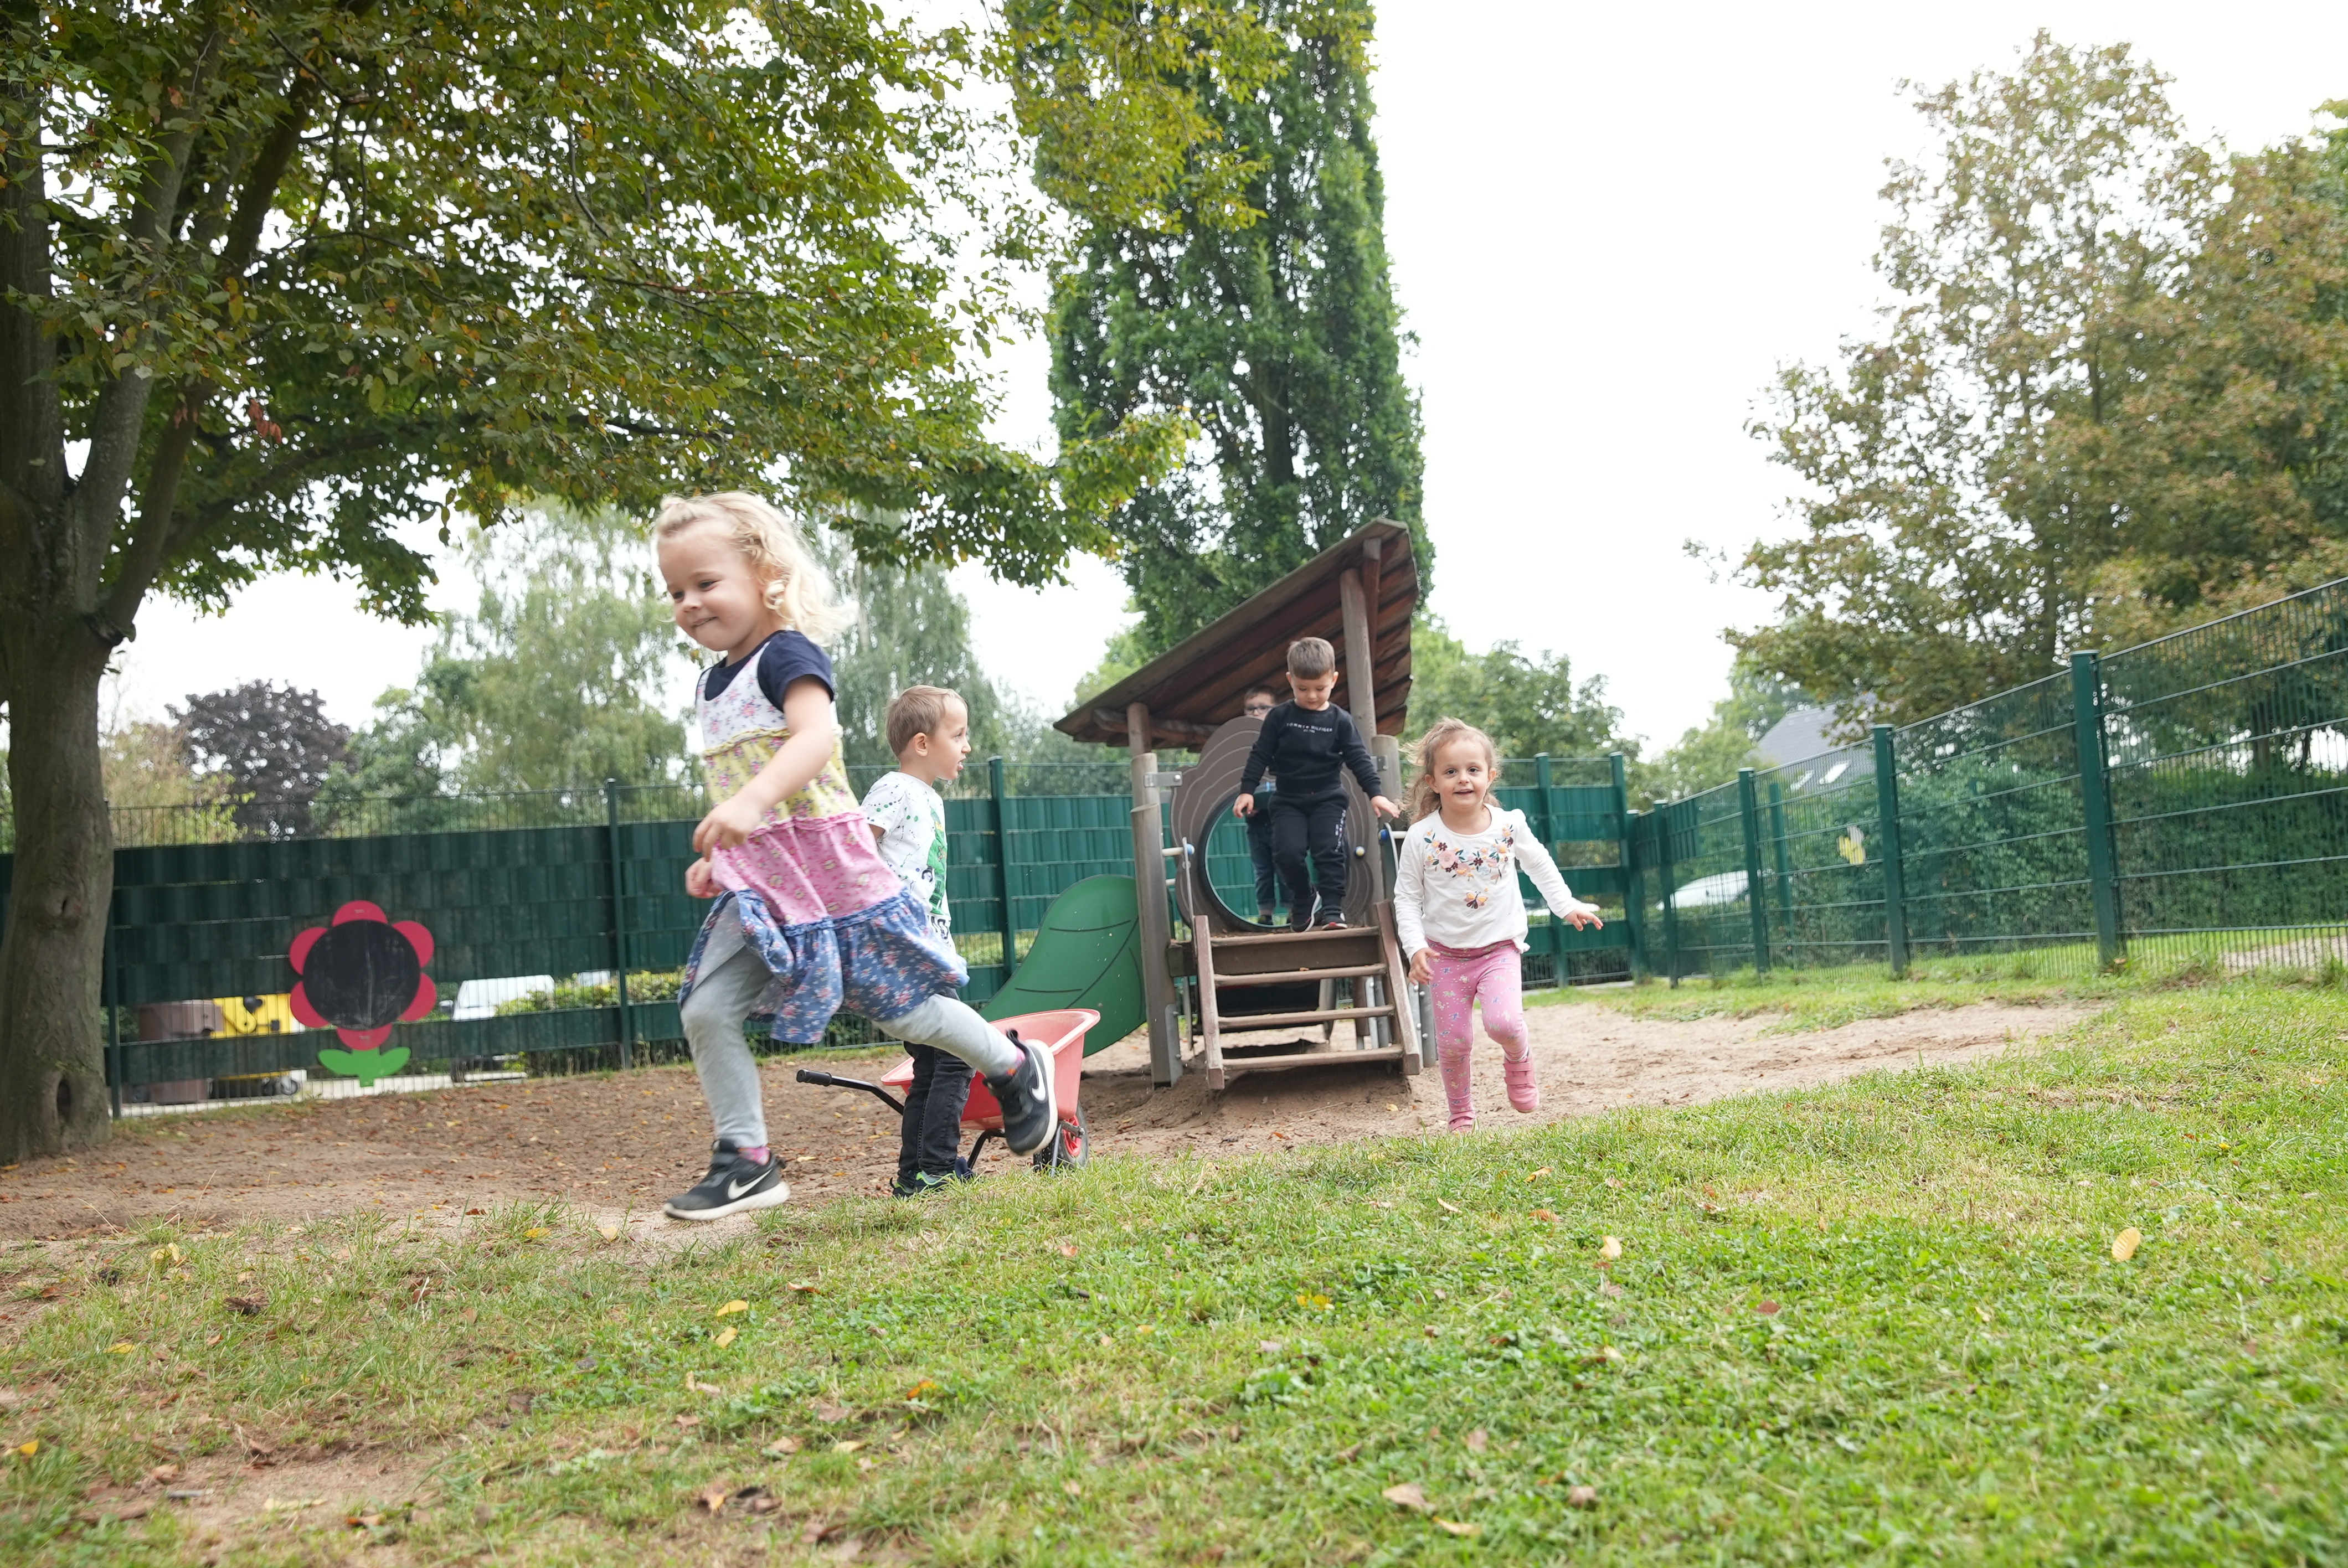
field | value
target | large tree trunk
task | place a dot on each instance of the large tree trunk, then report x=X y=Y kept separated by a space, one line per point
x=52 y=1048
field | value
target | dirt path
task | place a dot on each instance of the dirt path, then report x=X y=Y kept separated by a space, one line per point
x=618 y=1145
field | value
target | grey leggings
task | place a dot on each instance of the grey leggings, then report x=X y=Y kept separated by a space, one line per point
x=732 y=977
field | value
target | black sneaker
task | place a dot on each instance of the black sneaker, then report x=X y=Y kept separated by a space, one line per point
x=1333 y=921
x=1299 y=915
x=733 y=1186
x=923 y=1182
x=1031 y=1111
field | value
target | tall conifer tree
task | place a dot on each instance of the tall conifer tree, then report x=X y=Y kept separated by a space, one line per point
x=1257 y=299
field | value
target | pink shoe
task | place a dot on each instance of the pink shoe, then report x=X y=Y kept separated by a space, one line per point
x=1524 y=1094
x=1464 y=1123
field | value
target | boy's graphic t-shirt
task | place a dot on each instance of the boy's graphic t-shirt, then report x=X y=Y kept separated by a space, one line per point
x=911 y=819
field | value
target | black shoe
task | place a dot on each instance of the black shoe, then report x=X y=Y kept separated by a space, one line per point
x=1031 y=1111
x=1299 y=915
x=732 y=1186
x=923 y=1182
x=1332 y=921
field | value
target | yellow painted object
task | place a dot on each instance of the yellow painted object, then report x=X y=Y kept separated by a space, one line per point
x=256 y=1015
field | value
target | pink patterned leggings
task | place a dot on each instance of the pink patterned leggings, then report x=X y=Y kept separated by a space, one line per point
x=1493 y=975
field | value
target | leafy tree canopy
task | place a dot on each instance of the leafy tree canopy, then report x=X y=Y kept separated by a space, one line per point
x=1527 y=705
x=2111 y=394
x=285 y=276
x=273 y=744
x=1249 y=291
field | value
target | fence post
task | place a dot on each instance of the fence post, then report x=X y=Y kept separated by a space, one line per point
x=113 y=1016
x=619 y=923
x=1749 y=812
x=1784 y=857
x=1886 y=833
x=1662 y=818
x=1546 y=826
x=1625 y=855
x=1009 y=922
x=2096 y=803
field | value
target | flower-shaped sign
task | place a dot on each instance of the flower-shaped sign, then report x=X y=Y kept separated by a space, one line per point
x=360 y=975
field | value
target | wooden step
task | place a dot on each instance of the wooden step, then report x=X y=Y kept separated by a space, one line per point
x=1238 y=1021
x=1216 y=1074
x=1318 y=934
x=1294 y=976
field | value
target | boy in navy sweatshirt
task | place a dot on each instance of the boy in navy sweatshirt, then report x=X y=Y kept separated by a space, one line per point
x=1305 y=743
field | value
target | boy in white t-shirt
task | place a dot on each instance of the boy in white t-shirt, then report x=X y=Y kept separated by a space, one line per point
x=929 y=729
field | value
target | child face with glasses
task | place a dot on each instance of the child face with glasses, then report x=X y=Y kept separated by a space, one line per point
x=1257 y=704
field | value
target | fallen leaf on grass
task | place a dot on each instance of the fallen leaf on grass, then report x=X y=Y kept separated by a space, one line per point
x=121 y=1347
x=1767 y=1309
x=713 y=1496
x=1067 y=1249
x=1545 y=1214
x=693 y=1385
x=364 y=1521
x=688 y=1420
x=1608 y=1287
x=609 y=1233
x=808 y=1287
x=1478 y=1440
x=848 y=1446
x=731 y=1307
x=1537 y=1175
x=1459 y=1527
x=826 y=1411
x=1409 y=1494
x=29 y=1449
x=1072 y=1489
x=1609 y=1249
x=164 y=1473
x=477 y=1210
x=1981 y=1312
x=781 y=1448
x=2124 y=1244
x=1582 y=1497
x=763 y=1503
x=533 y=1233
x=289 y=1504
x=726 y=1336
x=926 y=1386
x=1450 y=1206
x=248 y=1305
x=815 y=1532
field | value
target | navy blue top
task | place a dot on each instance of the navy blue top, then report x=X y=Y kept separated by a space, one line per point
x=781 y=659
x=1310 y=750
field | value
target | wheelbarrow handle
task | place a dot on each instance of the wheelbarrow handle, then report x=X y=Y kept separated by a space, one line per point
x=832 y=1080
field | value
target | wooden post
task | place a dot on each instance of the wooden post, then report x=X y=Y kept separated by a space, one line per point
x=1360 y=673
x=1149 y=897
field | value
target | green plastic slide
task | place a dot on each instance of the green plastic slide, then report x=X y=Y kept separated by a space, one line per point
x=1087 y=954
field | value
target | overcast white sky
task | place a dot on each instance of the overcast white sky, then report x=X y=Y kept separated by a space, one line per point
x=1609 y=226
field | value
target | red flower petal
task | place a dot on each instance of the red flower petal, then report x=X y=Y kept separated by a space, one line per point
x=417 y=937
x=427 y=996
x=364 y=1039
x=299 y=953
x=299 y=1002
x=358 y=909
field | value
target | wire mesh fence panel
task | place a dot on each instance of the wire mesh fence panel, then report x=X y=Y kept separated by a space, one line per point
x=1709 y=923
x=1822 y=862
x=1992 y=833
x=2227 y=746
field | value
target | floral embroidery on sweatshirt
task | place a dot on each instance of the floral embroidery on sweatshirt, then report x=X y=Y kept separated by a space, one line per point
x=1480 y=866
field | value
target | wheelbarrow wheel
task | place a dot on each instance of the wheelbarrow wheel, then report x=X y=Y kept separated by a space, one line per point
x=1070 y=1147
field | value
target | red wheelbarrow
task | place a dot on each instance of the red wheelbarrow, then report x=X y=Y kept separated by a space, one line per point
x=1061 y=1031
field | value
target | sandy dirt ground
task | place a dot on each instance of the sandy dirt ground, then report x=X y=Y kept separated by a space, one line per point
x=618 y=1145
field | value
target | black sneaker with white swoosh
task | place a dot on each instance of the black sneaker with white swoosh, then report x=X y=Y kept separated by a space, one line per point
x=733 y=1185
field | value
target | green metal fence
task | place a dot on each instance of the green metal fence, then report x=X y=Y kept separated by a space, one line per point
x=2185 y=799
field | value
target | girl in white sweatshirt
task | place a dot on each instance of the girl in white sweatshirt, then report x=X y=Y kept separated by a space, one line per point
x=1458 y=912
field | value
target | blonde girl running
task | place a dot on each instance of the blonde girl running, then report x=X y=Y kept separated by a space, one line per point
x=1459 y=914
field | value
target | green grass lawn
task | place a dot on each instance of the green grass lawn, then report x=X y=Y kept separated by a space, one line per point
x=1880 y=1322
